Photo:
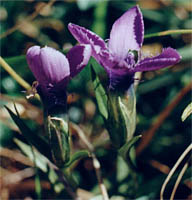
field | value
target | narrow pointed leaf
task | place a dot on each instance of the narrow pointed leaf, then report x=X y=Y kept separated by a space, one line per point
x=122 y=169
x=35 y=156
x=98 y=197
x=121 y=121
x=116 y=122
x=128 y=108
x=125 y=149
x=125 y=152
x=38 y=188
x=53 y=178
x=76 y=157
x=29 y=135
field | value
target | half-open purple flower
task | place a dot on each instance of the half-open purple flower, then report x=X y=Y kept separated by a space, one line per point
x=53 y=70
x=117 y=56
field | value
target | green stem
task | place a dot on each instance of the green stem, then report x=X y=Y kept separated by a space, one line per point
x=99 y=25
x=20 y=80
x=169 y=32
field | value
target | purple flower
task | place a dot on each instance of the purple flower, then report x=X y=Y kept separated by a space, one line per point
x=53 y=71
x=117 y=55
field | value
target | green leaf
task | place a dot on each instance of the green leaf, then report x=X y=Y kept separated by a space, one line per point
x=121 y=121
x=76 y=157
x=115 y=197
x=17 y=60
x=100 y=94
x=99 y=22
x=38 y=189
x=122 y=169
x=29 y=135
x=186 y=112
x=125 y=152
x=43 y=164
x=143 y=198
x=37 y=158
x=125 y=149
x=98 y=197
x=153 y=15
x=185 y=52
x=53 y=178
x=116 y=123
x=84 y=5
x=128 y=109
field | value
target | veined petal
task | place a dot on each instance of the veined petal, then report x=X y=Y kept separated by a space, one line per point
x=127 y=33
x=54 y=64
x=85 y=36
x=107 y=60
x=47 y=64
x=167 y=58
x=35 y=64
x=78 y=58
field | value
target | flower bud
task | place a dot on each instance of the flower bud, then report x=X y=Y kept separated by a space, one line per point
x=59 y=139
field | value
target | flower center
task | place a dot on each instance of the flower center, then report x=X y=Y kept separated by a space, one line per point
x=130 y=59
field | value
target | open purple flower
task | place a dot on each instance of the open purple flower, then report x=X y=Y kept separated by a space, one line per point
x=53 y=71
x=117 y=56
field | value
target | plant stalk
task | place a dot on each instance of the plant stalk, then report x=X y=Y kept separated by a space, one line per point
x=168 y=32
x=14 y=74
x=96 y=163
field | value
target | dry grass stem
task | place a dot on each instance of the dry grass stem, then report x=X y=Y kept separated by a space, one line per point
x=96 y=163
x=16 y=177
x=17 y=156
x=159 y=166
x=179 y=180
x=148 y=135
x=189 y=148
x=29 y=18
x=9 y=69
x=62 y=178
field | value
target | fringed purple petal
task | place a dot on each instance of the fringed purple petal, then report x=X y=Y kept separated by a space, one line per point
x=167 y=58
x=127 y=33
x=84 y=36
x=106 y=60
x=78 y=58
x=54 y=64
x=35 y=64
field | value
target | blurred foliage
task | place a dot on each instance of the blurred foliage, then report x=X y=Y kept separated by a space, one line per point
x=156 y=90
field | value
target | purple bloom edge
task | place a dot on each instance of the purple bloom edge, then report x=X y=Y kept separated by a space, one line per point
x=168 y=57
x=53 y=71
x=127 y=34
